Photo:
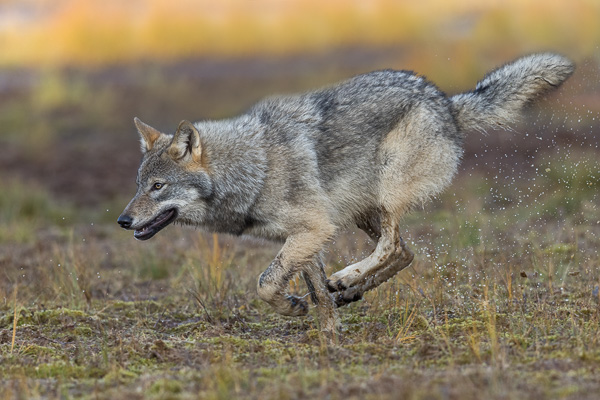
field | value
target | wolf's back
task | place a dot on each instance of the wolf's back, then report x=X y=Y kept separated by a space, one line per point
x=501 y=95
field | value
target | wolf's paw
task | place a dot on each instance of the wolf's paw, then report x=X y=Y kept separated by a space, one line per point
x=297 y=307
x=335 y=285
x=347 y=296
x=346 y=278
x=343 y=279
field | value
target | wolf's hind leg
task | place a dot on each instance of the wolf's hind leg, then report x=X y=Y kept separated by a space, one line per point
x=388 y=250
x=355 y=293
x=371 y=225
x=314 y=275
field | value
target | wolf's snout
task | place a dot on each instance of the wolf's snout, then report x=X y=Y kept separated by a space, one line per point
x=125 y=221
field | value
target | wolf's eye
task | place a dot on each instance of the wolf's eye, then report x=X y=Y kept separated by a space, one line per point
x=157 y=186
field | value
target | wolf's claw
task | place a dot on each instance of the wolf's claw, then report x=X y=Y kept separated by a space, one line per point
x=347 y=296
x=298 y=306
x=336 y=286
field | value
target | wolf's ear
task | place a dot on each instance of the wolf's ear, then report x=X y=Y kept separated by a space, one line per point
x=186 y=145
x=148 y=134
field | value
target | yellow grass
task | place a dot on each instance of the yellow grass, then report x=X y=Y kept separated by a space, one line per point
x=216 y=264
x=96 y=32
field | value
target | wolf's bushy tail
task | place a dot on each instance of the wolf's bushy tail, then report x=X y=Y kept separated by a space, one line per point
x=500 y=96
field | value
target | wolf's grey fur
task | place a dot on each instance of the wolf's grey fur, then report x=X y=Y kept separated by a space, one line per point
x=297 y=169
x=501 y=95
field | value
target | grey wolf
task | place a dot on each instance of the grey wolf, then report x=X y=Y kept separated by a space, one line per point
x=297 y=169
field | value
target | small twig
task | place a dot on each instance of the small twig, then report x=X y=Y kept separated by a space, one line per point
x=12 y=344
x=160 y=318
x=52 y=340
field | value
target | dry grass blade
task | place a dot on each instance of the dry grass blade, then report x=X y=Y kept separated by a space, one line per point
x=199 y=301
x=15 y=317
x=402 y=333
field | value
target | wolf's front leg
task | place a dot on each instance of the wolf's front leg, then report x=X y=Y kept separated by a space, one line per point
x=316 y=281
x=273 y=287
x=300 y=253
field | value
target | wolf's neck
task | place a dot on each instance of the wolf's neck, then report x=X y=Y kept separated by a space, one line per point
x=238 y=167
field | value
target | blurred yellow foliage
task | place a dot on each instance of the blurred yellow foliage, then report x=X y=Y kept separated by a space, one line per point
x=99 y=32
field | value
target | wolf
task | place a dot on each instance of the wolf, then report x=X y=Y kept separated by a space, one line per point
x=297 y=169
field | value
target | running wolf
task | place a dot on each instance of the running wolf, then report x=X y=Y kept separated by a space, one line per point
x=297 y=169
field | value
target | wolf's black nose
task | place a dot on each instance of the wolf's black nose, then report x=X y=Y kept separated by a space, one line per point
x=125 y=221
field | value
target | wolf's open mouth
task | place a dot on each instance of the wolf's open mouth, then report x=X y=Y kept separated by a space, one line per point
x=158 y=223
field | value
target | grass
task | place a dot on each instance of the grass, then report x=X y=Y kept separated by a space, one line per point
x=476 y=315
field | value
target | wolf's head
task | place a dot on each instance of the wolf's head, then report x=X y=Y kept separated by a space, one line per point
x=172 y=181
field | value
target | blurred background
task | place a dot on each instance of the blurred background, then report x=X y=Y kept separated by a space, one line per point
x=74 y=74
